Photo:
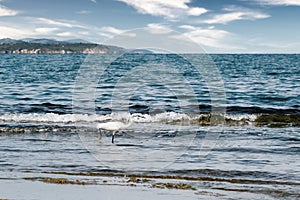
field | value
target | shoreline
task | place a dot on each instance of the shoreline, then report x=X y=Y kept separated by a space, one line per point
x=135 y=186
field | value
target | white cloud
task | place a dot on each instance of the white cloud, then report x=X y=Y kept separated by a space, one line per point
x=60 y=23
x=171 y=9
x=196 y=11
x=94 y=1
x=158 y=28
x=52 y=22
x=12 y=32
x=22 y=27
x=280 y=2
x=84 y=32
x=65 y=34
x=111 y=30
x=4 y=11
x=235 y=13
x=106 y=35
x=45 y=31
x=20 y=31
x=209 y=37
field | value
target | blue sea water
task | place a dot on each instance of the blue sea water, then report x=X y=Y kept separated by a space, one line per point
x=169 y=103
x=253 y=83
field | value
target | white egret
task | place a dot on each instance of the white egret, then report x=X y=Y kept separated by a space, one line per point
x=113 y=127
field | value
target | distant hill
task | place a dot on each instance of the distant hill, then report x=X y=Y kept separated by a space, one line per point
x=9 y=41
x=51 y=46
x=74 y=41
x=53 y=41
x=140 y=51
x=41 y=41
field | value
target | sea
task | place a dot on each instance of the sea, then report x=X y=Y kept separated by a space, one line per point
x=229 y=124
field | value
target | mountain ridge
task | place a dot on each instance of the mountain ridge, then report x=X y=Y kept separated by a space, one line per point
x=52 y=46
x=43 y=41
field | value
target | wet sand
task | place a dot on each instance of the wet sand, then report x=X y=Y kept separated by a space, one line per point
x=65 y=186
x=22 y=189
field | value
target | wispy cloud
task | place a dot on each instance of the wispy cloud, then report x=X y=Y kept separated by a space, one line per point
x=45 y=27
x=158 y=28
x=21 y=31
x=280 y=2
x=65 y=34
x=170 y=9
x=45 y=31
x=84 y=33
x=14 y=32
x=53 y=22
x=111 y=30
x=61 y=23
x=94 y=1
x=83 y=12
x=4 y=11
x=260 y=44
x=233 y=14
x=210 y=37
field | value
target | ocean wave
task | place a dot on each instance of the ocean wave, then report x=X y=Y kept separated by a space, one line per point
x=71 y=121
x=166 y=117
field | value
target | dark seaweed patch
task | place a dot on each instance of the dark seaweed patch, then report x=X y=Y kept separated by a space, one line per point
x=171 y=177
x=278 y=120
x=58 y=180
x=180 y=186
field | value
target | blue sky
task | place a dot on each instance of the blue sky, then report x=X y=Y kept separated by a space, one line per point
x=220 y=26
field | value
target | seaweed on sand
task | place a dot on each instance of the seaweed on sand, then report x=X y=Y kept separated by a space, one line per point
x=59 y=180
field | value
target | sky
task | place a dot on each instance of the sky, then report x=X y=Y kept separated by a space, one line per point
x=218 y=26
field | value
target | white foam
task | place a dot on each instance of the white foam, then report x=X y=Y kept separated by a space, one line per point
x=240 y=117
x=165 y=117
x=48 y=118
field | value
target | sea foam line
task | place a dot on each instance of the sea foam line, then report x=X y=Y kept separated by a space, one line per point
x=166 y=117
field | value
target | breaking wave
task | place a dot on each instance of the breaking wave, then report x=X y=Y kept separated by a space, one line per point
x=166 y=117
x=52 y=122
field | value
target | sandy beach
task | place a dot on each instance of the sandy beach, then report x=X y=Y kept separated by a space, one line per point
x=115 y=190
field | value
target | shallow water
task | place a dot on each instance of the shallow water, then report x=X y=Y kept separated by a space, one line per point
x=170 y=135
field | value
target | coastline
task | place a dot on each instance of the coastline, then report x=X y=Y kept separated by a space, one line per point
x=55 y=47
x=134 y=186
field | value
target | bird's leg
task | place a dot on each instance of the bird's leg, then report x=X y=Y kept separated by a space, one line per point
x=113 y=137
x=100 y=135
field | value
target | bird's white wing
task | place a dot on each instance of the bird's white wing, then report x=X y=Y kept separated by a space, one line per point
x=111 y=126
